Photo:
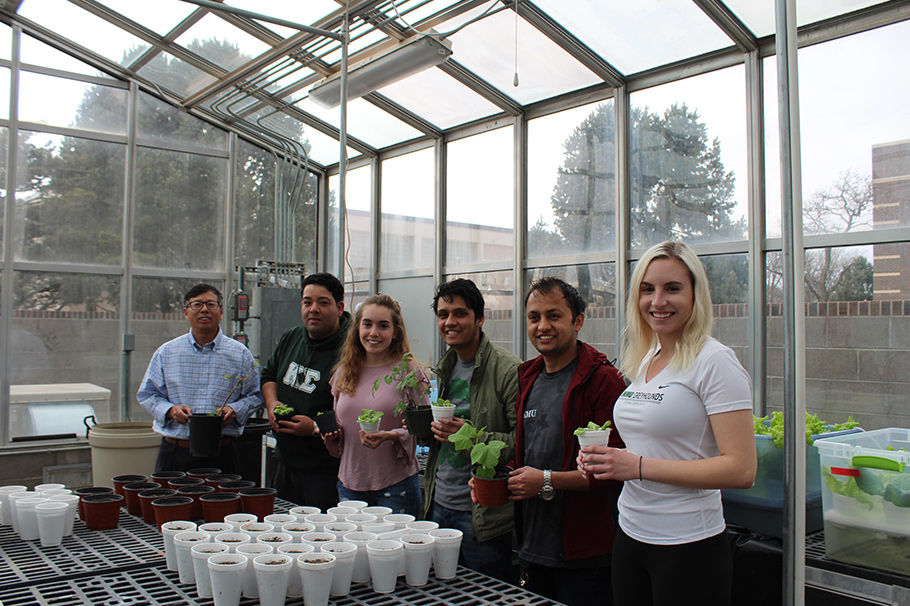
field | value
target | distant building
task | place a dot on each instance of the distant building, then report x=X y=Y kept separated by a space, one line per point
x=891 y=208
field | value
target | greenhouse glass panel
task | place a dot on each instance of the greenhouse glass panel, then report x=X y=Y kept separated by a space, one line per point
x=304 y=13
x=413 y=295
x=365 y=122
x=357 y=237
x=6 y=41
x=855 y=151
x=4 y=148
x=596 y=283
x=408 y=201
x=66 y=329
x=498 y=290
x=758 y=15
x=85 y=29
x=180 y=201
x=221 y=43
x=439 y=99
x=571 y=182
x=480 y=200
x=488 y=48
x=160 y=17
x=4 y=94
x=70 y=103
x=72 y=193
x=172 y=73
x=688 y=160
x=160 y=121
x=635 y=36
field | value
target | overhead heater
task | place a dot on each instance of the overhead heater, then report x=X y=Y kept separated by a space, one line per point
x=374 y=72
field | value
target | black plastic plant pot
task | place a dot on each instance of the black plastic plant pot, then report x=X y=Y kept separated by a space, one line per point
x=205 y=435
x=327 y=422
x=419 y=420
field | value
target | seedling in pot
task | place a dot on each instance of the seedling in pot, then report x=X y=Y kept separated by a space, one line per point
x=484 y=455
x=283 y=410
x=409 y=383
x=368 y=415
x=592 y=426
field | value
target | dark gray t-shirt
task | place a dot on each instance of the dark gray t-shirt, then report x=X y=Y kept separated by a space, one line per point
x=454 y=470
x=542 y=520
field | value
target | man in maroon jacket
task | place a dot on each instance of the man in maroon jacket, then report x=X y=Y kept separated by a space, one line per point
x=565 y=523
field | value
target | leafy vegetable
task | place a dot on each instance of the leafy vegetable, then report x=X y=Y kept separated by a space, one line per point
x=442 y=402
x=485 y=455
x=409 y=384
x=592 y=426
x=283 y=410
x=814 y=426
x=368 y=415
x=847 y=488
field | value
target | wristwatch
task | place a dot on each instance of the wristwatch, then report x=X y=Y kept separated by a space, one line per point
x=546 y=492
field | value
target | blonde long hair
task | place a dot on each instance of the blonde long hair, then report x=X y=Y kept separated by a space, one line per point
x=639 y=339
x=353 y=355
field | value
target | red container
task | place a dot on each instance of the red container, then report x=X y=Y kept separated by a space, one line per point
x=102 y=511
x=236 y=486
x=221 y=478
x=131 y=494
x=145 y=501
x=168 y=509
x=163 y=477
x=203 y=472
x=90 y=490
x=178 y=483
x=120 y=481
x=258 y=501
x=216 y=505
x=194 y=492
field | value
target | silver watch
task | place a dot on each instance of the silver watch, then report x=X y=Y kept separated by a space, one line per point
x=546 y=492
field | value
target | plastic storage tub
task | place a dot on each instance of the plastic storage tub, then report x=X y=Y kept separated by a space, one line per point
x=760 y=508
x=866 y=498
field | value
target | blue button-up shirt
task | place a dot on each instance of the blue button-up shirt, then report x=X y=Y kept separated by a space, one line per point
x=182 y=372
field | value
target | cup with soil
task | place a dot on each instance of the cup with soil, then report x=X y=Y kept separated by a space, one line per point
x=145 y=501
x=217 y=505
x=220 y=478
x=120 y=481
x=203 y=472
x=169 y=509
x=102 y=511
x=327 y=422
x=258 y=501
x=131 y=495
x=87 y=491
x=195 y=492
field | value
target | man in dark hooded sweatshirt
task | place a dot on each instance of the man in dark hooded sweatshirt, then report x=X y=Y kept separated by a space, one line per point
x=297 y=374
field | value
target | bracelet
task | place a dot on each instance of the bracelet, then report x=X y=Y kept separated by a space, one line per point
x=639 y=467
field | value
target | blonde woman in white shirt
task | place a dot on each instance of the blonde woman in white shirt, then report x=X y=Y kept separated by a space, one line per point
x=686 y=419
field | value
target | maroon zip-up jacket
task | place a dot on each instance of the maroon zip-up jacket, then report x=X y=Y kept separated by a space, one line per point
x=588 y=517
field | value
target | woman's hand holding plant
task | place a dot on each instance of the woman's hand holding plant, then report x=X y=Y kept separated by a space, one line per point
x=605 y=463
x=373 y=440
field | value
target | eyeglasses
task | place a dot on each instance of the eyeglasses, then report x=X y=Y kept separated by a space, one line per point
x=198 y=305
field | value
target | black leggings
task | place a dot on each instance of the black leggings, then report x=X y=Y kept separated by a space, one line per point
x=661 y=575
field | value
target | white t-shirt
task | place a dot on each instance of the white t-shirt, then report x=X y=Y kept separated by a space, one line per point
x=667 y=418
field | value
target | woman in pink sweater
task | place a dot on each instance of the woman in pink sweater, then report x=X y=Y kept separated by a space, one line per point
x=379 y=468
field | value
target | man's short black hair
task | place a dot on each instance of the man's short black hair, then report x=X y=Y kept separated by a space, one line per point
x=551 y=283
x=330 y=282
x=464 y=288
x=200 y=289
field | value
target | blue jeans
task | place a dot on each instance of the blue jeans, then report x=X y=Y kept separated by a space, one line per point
x=492 y=558
x=402 y=497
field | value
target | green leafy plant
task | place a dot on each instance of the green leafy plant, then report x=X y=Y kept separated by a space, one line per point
x=283 y=410
x=484 y=455
x=814 y=426
x=442 y=402
x=592 y=426
x=847 y=488
x=410 y=384
x=368 y=415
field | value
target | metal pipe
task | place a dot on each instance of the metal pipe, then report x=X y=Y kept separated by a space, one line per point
x=794 y=510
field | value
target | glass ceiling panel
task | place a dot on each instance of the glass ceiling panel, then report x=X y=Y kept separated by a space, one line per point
x=179 y=76
x=221 y=43
x=635 y=36
x=367 y=122
x=84 y=29
x=34 y=52
x=360 y=39
x=439 y=99
x=323 y=148
x=487 y=48
x=305 y=13
x=758 y=15
x=160 y=16
x=6 y=41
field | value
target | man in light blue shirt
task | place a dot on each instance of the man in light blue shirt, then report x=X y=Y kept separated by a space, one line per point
x=198 y=373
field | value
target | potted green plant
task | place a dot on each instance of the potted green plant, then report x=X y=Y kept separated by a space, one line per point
x=411 y=386
x=593 y=434
x=326 y=421
x=490 y=479
x=369 y=420
x=442 y=409
x=283 y=412
x=205 y=429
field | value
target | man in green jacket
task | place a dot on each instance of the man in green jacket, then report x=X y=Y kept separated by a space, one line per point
x=481 y=379
x=297 y=374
